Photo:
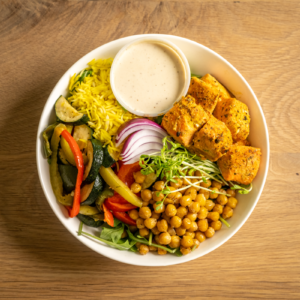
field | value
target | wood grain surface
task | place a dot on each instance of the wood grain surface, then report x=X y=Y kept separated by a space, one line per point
x=39 y=41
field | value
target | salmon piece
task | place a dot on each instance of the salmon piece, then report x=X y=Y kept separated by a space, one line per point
x=212 y=141
x=216 y=84
x=240 y=164
x=235 y=114
x=204 y=93
x=184 y=119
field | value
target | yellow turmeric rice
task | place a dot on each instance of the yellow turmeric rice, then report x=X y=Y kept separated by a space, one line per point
x=93 y=96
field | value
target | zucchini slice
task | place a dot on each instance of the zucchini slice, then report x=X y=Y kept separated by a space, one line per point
x=88 y=210
x=82 y=132
x=108 y=160
x=68 y=175
x=65 y=112
x=95 y=160
x=90 y=192
x=89 y=221
x=106 y=193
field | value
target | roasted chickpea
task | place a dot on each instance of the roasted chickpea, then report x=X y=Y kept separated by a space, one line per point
x=152 y=201
x=144 y=204
x=200 y=236
x=192 y=192
x=156 y=238
x=231 y=192
x=164 y=238
x=206 y=184
x=183 y=189
x=209 y=205
x=168 y=201
x=155 y=230
x=222 y=199
x=180 y=231
x=209 y=232
x=139 y=177
x=202 y=225
x=198 y=173
x=196 y=243
x=170 y=210
x=145 y=212
x=218 y=208
x=216 y=184
x=175 y=241
x=190 y=234
x=227 y=212
x=193 y=227
x=181 y=212
x=153 y=249
x=124 y=234
x=171 y=231
x=205 y=193
x=197 y=183
x=155 y=215
x=176 y=197
x=232 y=202
x=200 y=199
x=133 y=214
x=186 y=181
x=175 y=222
x=187 y=242
x=186 y=223
x=135 y=188
x=158 y=209
x=132 y=228
x=162 y=225
x=176 y=184
x=185 y=251
x=213 y=194
x=157 y=196
x=161 y=251
x=143 y=249
x=159 y=185
x=202 y=213
x=150 y=223
x=146 y=195
x=216 y=225
x=140 y=223
x=214 y=216
x=185 y=201
x=144 y=232
x=194 y=207
x=192 y=217
x=138 y=245
x=164 y=216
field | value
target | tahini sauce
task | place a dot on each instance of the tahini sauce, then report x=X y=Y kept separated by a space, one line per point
x=149 y=77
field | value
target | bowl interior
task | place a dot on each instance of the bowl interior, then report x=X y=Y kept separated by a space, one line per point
x=201 y=60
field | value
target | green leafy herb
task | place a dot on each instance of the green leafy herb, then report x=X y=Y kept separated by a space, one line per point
x=80 y=228
x=112 y=234
x=150 y=238
x=224 y=222
x=194 y=75
x=158 y=119
x=242 y=189
x=178 y=252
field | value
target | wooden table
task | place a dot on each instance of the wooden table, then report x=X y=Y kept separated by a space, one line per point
x=39 y=41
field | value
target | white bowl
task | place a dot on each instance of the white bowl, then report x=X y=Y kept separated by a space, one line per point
x=160 y=40
x=202 y=60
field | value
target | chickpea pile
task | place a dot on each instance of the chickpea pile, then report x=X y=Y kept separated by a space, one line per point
x=186 y=218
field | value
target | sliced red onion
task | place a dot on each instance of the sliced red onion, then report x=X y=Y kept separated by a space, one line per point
x=137 y=157
x=139 y=138
x=135 y=125
x=155 y=147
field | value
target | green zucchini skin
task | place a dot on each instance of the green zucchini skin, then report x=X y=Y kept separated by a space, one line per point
x=95 y=192
x=89 y=221
x=66 y=113
x=108 y=161
x=92 y=169
x=68 y=175
x=106 y=193
x=83 y=132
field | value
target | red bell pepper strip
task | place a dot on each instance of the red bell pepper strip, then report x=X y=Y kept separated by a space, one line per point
x=126 y=173
x=117 y=198
x=69 y=208
x=113 y=205
x=79 y=164
x=122 y=216
x=108 y=217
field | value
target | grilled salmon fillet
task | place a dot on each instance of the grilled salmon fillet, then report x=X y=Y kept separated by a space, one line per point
x=204 y=93
x=212 y=141
x=184 y=119
x=240 y=164
x=235 y=114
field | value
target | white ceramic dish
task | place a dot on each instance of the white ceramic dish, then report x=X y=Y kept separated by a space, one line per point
x=202 y=60
x=150 y=38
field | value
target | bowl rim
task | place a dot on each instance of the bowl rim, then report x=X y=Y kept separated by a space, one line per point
x=186 y=258
x=160 y=40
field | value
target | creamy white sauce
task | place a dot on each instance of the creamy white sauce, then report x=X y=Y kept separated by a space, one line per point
x=149 y=76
